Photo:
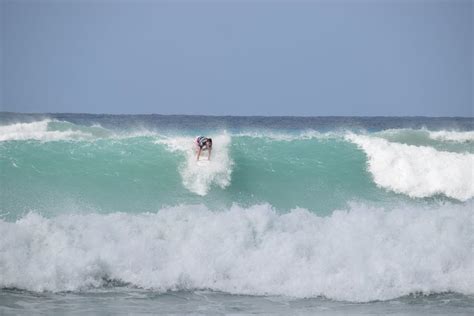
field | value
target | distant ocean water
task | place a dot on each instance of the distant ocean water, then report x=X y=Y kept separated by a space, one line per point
x=302 y=215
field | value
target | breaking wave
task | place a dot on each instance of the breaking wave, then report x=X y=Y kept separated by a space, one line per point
x=360 y=254
x=418 y=171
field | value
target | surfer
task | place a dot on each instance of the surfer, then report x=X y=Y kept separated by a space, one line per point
x=204 y=143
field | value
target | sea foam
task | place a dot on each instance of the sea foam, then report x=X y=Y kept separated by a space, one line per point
x=418 y=171
x=359 y=254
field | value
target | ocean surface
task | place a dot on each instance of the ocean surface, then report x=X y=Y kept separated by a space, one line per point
x=111 y=214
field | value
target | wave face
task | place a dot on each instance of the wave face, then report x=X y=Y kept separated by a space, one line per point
x=350 y=209
x=52 y=165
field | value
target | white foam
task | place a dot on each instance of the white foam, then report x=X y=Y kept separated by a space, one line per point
x=38 y=131
x=196 y=178
x=362 y=254
x=418 y=171
x=453 y=136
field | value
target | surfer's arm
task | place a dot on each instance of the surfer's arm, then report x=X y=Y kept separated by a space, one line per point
x=209 y=156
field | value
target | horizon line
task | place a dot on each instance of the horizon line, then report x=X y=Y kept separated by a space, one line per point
x=230 y=115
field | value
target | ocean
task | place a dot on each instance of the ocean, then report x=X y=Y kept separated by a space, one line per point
x=110 y=214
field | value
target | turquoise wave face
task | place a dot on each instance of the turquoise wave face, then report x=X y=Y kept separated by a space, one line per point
x=137 y=174
x=320 y=175
x=55 y=167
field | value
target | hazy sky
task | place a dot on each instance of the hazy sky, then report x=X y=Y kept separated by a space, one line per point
x=238 y=57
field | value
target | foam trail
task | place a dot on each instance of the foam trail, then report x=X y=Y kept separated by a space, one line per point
x=418 y=171
x=199 y=179
x=362 y=254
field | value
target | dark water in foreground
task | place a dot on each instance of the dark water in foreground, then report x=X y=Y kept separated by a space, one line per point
x=135 y=301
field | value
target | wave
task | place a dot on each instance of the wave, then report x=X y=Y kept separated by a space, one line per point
x=287 y=169
x=418 y=171
x=360 y=254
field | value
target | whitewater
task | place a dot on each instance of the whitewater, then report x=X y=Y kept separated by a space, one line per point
x=301 y=209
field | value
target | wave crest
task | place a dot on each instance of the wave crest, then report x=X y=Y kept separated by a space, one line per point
x=418 y=171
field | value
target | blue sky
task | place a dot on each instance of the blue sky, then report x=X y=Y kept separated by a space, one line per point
x=238 y=57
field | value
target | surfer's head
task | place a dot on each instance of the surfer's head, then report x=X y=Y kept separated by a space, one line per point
x=209 y=143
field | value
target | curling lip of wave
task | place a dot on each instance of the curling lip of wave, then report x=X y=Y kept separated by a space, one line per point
x=418 y=171
x=362 y=254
